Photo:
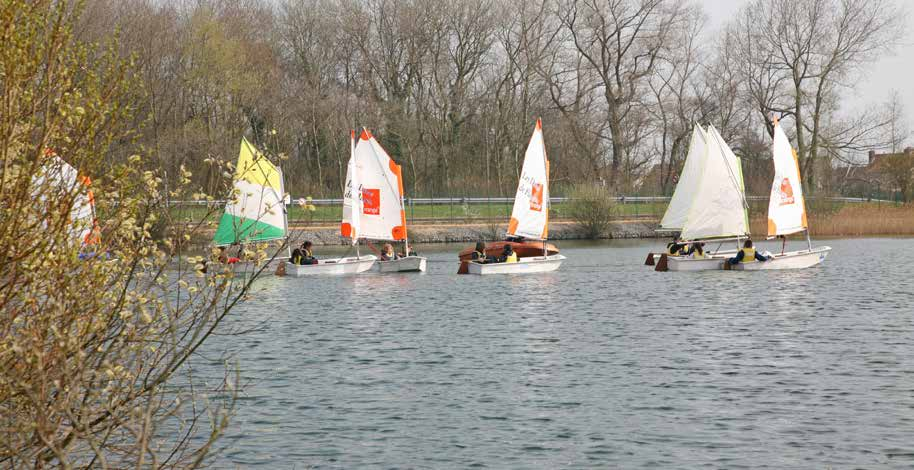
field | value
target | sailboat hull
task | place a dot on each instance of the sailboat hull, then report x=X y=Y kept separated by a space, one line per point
x=789 y=260
x=684 y=263
x=523 y=249
x=332 y=267
x=404 y=265
x=536 y=264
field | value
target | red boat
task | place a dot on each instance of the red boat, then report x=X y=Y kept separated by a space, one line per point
x=525 y=249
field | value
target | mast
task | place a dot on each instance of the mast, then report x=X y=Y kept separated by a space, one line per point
x=547 y=196
x=355 y=238
x=285 y=210
x=406 y=233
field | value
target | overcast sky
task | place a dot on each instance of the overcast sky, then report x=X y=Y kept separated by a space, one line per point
x=894 y=72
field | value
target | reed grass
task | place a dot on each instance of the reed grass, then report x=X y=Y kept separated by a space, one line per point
x=851 y=220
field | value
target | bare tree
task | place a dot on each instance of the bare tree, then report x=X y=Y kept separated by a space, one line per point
x=621 y=41
x=801 y=56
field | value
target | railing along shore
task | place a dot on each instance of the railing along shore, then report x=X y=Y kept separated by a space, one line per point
x=477 y=209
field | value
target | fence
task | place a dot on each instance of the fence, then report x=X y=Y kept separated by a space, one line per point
x=474 y=209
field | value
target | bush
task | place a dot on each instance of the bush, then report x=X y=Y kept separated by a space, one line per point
x=591 y=206
x=100 y=331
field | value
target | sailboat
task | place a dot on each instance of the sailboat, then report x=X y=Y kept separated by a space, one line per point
x=717 y=211
x=256 y=210
x=62 y=178
x=787 y=210
x=350 y=227
x=383 y=215
x=684 y=195
x=529 y=220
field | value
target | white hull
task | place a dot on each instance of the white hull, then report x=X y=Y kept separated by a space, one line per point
x=403 y=265
x=684 y=263
x=536 y=264
x=336 y=266
x=789 y=260
x=724 y=253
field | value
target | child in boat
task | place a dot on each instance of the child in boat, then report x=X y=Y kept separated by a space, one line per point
x=408 y=251
x=303 y=255
x=675 y=247
x=508 y=255
x=697 y=250
x=387 y=253
x=224 y=258
x=479 y=253
x=747 y=255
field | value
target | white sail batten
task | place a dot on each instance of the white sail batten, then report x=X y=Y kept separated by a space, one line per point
x=678 y=210
x=786 y=206
x=382 y=216
x=530 y=215
x=352 y=198
x=718 y=209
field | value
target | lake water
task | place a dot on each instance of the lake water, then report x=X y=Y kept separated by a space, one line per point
x=604 y=363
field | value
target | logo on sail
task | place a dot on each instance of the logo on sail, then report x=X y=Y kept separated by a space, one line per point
x=371 y=201
x=786 y=192
x=536 y=197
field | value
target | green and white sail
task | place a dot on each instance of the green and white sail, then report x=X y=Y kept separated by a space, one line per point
x=255 y=211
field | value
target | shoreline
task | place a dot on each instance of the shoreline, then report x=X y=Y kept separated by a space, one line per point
x=329 y=235
x=822 y=226
x=848 y=222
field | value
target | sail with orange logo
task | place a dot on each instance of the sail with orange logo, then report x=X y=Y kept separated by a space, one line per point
x=373 y=202
x=530 y=216
x=786 y=206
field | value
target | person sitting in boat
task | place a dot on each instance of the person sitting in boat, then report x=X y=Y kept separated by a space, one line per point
x=508 y=255
x=697 y=251
x=388 y=254
x=408 y=251
x=224 y=258
x=747 y=255
x=479 y=253
x=675 y=247
x=303 y=255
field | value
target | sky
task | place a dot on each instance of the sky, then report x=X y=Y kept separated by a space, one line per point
x=895 y=72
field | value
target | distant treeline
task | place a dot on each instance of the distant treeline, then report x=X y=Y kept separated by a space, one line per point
x=452 y=88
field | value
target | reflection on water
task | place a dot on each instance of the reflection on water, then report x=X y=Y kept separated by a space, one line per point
x=604 y=363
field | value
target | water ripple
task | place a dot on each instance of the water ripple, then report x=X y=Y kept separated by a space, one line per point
x=602 y=364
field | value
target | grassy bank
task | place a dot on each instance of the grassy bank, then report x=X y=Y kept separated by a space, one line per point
x=442 y=212
x=852 y=220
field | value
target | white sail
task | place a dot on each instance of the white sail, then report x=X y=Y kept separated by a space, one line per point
x=786 y=207
x=678 y=210
x=718 y=209
x=352 y=198
x=61 y=178
x=530 y=216
x=382 y=216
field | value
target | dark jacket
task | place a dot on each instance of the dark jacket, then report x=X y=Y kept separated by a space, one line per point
x=300 y=256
